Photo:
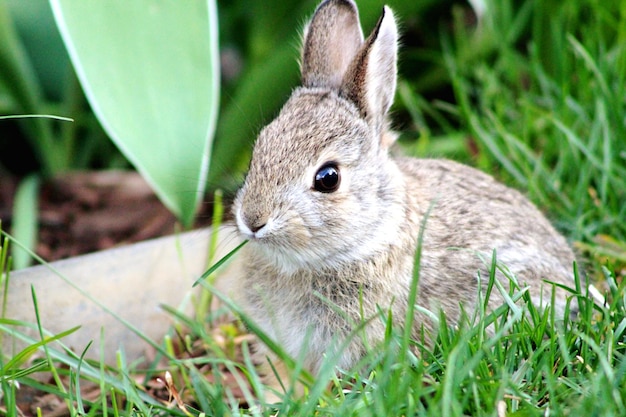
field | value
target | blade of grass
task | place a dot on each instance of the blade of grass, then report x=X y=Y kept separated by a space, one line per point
x=37 y=116
x=51 y=367
x=218 y=264
x=26 y=219
x=24 y=355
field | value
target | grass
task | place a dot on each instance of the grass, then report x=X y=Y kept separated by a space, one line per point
x=532 y=364
x=537 y=100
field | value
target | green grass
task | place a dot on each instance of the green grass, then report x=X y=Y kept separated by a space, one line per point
x=537 y=97
x=531 y=365
x=540 y=104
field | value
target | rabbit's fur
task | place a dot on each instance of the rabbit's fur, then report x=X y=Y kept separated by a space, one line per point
x=318 y=262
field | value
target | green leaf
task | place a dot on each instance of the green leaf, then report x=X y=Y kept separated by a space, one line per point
x=25 y=220
x=150 y=70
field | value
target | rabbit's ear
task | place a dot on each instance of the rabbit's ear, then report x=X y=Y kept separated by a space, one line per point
x=331 y=40
x=370 y=81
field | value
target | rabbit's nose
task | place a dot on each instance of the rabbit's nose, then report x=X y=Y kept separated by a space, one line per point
x=255 y=226
x=251 y=223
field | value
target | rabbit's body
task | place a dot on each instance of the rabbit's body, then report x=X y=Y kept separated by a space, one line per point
x=333 y=220
x=298 y=307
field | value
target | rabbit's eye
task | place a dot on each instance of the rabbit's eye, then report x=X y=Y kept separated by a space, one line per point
x=327 y=178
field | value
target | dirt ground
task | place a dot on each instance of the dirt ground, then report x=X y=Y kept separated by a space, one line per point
x=89 y=211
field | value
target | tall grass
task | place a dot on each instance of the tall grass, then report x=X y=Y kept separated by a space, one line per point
x=541 y=98
x=527 y=363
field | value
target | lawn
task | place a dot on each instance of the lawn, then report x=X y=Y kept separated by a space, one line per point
x=533 y=93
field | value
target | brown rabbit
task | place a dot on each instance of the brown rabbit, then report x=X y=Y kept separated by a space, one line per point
x=333 y=220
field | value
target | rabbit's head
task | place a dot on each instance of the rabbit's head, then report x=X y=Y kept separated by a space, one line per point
x=321 y=189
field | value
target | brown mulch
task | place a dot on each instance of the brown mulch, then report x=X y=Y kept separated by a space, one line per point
x=85 y=212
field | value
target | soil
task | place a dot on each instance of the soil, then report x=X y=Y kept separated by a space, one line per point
x=85 y=212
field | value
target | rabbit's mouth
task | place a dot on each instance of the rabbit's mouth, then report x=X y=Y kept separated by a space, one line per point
x=287 y=248
x=291 y=254
x=288 y=252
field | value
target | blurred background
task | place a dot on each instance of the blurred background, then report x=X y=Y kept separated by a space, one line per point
x=259 y=48
x=259 y=52
x=528 y=90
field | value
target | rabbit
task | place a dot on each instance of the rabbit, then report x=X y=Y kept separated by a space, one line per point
x=332 y=219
